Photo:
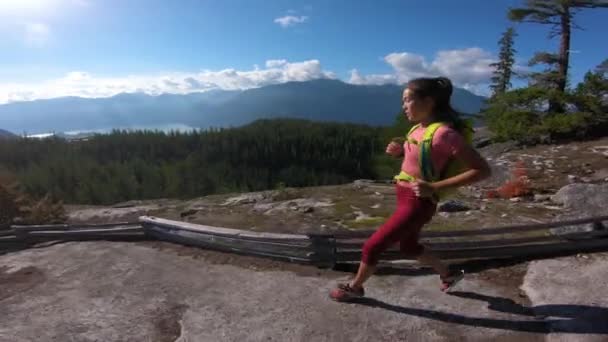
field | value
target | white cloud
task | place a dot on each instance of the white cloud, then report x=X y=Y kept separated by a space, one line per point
x=464 y=66
x=83 y=84
x=373 y=79
x=36 y=34
x=407 y=65
x=275 y=63
x=290 y=20
x=468 y=68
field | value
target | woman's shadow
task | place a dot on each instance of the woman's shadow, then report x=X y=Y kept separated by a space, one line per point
x=578 y=319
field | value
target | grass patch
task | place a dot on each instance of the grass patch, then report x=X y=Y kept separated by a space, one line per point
x=342 y=208
x=369 y=223
x=286 y=194
x=443 y=226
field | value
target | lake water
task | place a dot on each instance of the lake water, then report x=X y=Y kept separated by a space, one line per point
x=164 y=128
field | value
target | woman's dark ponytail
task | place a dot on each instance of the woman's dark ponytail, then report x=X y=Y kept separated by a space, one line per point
x=440 y=90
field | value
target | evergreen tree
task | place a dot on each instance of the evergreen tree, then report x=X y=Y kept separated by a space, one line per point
x=559 y=14
x=591 y=95
x=503 y=69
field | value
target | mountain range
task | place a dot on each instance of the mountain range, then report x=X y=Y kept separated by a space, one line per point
x=319 y=100
x=6 y=134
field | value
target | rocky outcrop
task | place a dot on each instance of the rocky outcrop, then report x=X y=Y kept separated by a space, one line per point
x=589 y=199
x=568 y=303
x=581 y=200
x=451 y=206
x=304 y=205
x=156 y=291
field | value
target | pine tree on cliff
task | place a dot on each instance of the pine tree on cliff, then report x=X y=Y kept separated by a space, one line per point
x=559 y=14
x=503 y=69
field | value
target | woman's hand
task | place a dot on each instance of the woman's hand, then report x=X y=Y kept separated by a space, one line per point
x=423 y=189
x=394 y=149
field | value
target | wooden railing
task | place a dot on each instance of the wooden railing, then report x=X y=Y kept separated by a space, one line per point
x=327 y=250
x=77 y=232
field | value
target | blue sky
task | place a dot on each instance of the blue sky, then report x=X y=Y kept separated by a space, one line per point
x=97 y=48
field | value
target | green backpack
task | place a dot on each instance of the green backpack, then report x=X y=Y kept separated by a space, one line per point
x=429 y=174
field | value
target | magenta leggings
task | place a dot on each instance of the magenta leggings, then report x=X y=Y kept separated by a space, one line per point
x=403 y=226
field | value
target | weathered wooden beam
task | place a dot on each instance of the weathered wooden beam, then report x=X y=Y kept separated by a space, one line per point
x=223 y=243
x=483 y=231
x=324 y=248
x=90 y=225
x=358 y=243
x=65 y=227
x=7 y=232
x=85 y=232
x=219 y=231
x=492 y=252
x=9 y=239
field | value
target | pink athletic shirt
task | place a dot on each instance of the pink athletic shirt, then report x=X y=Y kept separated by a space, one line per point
x=447 y=143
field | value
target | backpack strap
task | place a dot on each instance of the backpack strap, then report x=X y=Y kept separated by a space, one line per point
x=468 y=130
x=410 y=139
x=424 y=156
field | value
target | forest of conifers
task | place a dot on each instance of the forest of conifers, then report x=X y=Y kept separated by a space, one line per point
x=143 y=165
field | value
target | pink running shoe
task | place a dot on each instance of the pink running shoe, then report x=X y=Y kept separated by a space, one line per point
x=449 y=282
x=344 y=292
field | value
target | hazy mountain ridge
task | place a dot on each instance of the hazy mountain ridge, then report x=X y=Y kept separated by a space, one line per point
x=322 y=100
